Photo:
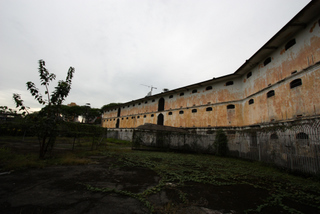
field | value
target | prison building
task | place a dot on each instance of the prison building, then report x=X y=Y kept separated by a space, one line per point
x=279 y=83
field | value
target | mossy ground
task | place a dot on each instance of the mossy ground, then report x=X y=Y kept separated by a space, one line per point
x=160 y=182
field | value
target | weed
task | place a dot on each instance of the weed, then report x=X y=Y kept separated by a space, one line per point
x=11 y=161
x=71 y=159
x=176 y=170
x=138 y=196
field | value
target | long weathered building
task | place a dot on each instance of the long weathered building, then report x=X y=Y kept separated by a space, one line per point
x=280 y=82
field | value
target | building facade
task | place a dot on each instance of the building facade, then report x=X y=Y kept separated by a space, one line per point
x=279 y=83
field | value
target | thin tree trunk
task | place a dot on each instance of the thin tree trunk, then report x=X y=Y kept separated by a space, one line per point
x=74 y=141
x=24 y=134
x=42 y=148
x=92 y=145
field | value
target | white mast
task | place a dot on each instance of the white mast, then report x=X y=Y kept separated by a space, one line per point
x=149 y=86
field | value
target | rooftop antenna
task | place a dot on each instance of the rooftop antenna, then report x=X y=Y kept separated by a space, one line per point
x=149 y=86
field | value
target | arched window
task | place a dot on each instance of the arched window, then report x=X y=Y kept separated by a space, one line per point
x=180 y=112
x=194 y=110
x=231 y=106
x=208 y=88
x=267 y=61
x=170 y=113
x=194 y=91
x=274 y=136
x=229 y=83
x=270 y=94
x=289 y=44
x=209 y=109
x=251 y=101
x=295 y=83
x=302 y=136
x=181 y=94
x=161 y=104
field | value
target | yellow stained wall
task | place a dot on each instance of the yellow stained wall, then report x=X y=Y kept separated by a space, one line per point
x=304 y=53
x=287 y=103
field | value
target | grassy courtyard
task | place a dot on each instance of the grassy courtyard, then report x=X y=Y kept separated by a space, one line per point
x=181 y=182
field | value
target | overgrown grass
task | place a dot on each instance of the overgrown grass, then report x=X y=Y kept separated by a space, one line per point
x=12 y=161
x=17 y=154
x=69 y=159
x=181 y=169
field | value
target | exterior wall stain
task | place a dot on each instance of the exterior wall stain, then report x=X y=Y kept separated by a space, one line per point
x=313 y=26
x=300 y=61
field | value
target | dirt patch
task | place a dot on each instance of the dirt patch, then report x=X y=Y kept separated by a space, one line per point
x=207 y=198
x=225 y=198
x=60 y=190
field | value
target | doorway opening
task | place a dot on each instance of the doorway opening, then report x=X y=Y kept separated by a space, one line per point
x=160 y=120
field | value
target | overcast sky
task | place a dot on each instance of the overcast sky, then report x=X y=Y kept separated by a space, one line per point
x=117 y=45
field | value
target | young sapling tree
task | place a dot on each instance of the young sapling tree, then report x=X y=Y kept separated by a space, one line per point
x=45 y=123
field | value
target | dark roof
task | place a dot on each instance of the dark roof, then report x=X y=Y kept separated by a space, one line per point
x=298 y=22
